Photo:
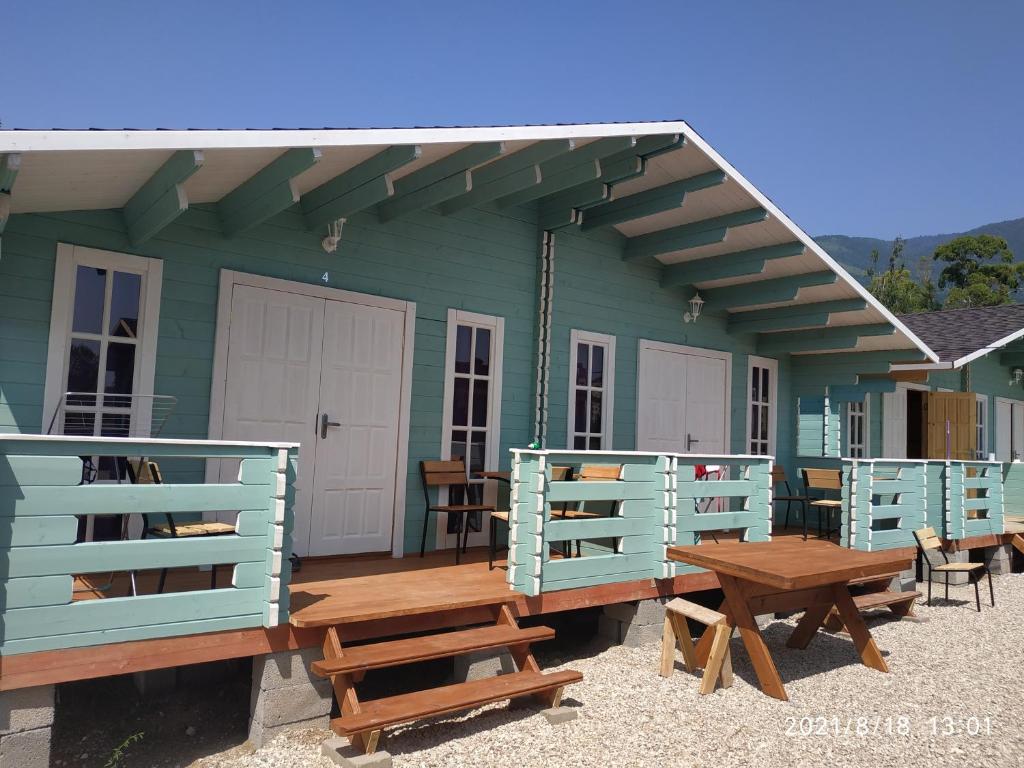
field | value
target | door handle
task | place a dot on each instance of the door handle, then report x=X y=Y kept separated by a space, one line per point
x=325 y=423
x=690 y=440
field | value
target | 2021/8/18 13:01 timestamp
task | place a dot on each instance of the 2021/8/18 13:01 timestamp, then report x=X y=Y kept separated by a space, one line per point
x=901 y=725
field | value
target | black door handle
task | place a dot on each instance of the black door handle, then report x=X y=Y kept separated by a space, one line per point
x=690 y=440
x=324 y=424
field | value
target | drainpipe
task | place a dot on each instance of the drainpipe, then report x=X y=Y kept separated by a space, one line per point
x=545 y=291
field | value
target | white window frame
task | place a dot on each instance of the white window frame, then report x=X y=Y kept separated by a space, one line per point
x=753 y=361
x=496 y=325
x=69 y=258
x=866 y=415
x=982 y=452
x=577 y=337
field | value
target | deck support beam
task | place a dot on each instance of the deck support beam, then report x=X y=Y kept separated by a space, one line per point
x=690 y=235
x=162 y=199
x=267 y=193
x=358 y=188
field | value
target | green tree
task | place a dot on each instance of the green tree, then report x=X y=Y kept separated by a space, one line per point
x=896 y=287
x=980 y=271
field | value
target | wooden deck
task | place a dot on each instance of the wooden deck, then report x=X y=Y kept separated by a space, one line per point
x=377 y=596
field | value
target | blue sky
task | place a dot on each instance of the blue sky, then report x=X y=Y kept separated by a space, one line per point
x=870 y=118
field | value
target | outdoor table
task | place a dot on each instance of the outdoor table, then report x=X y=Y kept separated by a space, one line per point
x=789 y=575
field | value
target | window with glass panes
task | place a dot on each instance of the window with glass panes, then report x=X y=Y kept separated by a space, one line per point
x=591 y=380
x=857 y=429
x=472 y=379
x=761 y=410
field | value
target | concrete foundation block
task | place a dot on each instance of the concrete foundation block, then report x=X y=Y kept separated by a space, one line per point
x=999 y=559
x=26 y=709
x=286 y=695
x=633 y=624
x=26 y=749
x=622 y=612
x=637 y=636
x=906 y=581
x=559 y=715
x=342 y=753
x=481 y=664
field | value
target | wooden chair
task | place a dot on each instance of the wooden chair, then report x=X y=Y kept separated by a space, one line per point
x=779 y=478
x=452 y=473
x=557 y=473
x=677 y=632
x=593 y=473
x=927 y=544
x=823 y=481
x=146 y=472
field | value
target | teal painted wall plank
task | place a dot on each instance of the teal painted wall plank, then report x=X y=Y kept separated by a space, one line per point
x=26 y=593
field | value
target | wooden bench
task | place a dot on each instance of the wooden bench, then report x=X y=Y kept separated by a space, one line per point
x=871 y=593
x=677 y=632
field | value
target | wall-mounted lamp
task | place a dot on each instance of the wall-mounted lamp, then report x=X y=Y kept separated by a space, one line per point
x=696 y=304
x=330 y=243
x=1018 y=376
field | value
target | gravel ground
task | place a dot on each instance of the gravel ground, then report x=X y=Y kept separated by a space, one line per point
x=955 y=663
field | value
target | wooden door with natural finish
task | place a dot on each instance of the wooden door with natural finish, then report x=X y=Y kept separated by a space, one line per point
x=950 y=425
x=273 y=383
x=357 y=454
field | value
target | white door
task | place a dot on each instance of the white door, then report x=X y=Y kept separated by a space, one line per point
x=292 y=357
x=1003 y=421
x=682 y=403
x=273 y=382
x=361 y=380
x=894 y=424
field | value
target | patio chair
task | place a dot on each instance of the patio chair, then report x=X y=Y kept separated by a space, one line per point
x=927 y=543
x=557 y=473
x=779 y=478
x=148 y=472
x=823 y=481
x=450 y=474
x=677 y=632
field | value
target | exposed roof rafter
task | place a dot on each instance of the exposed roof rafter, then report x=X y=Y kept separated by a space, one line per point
x=265 y=194
x=834 y=337
x=162 y=199
x=773 y=291
x=690 y=235
x=650 y=201
x=791 y=317
x=739 y=264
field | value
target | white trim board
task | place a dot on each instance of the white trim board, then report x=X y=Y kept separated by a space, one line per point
x=772 y=364
x=228 y=280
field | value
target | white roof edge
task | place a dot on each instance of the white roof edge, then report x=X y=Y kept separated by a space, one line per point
x=62 y=140
x=991 y=347
x=921 y=366
x=806 y=239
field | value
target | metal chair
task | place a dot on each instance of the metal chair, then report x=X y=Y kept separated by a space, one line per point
x=927 y=543
x=450 y=474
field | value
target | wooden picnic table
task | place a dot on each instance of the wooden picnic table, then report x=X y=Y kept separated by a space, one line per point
x=789 y=575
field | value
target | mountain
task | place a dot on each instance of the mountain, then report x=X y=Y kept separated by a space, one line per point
x=854 y=253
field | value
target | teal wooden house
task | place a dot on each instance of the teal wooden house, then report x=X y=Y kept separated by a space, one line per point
x=287 y=322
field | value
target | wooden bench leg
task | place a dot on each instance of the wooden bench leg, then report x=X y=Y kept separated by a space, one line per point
x=716 y=660
x=906 y=608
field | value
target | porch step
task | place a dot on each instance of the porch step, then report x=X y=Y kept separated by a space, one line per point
x=395 y=710
x=408 y=650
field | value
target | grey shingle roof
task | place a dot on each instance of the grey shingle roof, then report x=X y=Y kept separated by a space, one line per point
x=956 y=333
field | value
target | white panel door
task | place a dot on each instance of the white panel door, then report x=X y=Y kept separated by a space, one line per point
x=1003 y=422
x=894 y=424
x=273 y=382
x=661 y=402
x=1017 y=442
x=356 y=462
x=682 y=394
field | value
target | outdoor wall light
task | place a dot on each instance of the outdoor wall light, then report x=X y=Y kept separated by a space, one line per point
x=696 y=304
x=1018 y=376
x=330 y=243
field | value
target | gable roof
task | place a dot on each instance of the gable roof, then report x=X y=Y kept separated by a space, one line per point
x=961 y=335
x=103 y=169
